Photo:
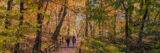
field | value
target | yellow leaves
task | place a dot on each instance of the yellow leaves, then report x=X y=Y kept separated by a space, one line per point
x=45 y=45
x=83 y=40
x=85 y=48
x=2 y=39
x=112 y=49
x=79 y=1
x=6 y=39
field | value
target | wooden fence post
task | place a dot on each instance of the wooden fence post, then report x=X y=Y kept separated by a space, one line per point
x=79 y=50
x=45 y=51
x=49 y=50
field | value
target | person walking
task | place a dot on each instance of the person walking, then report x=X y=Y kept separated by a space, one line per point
x=68 y=41
x=74 y=40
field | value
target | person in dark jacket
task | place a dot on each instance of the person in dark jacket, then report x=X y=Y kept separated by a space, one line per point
x=68 y=41
x=74 y=40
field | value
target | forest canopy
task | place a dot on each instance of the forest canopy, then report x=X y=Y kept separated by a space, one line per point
x=98 y=26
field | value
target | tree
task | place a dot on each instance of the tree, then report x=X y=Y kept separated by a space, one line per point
x=126 y=22
x=87 y=16
x=17 y=45
x=8 y=9
x=143 y=22
x=37 y=45
x=57 y=30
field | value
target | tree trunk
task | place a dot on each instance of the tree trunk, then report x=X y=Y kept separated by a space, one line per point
x=86 y=29
x=126 y=26
x=158 y=13
x=142 y=26
x=126 y=23
x=8 y=9
x=40 y=17
x=56 y=32
x=46 y=8
x=19 y=30
x=37 y=45
x=56 y=15
x=60 y=13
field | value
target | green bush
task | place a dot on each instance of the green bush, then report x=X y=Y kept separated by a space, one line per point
x=90 y=45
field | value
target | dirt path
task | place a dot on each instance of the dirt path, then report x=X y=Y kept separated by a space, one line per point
x=71 y=49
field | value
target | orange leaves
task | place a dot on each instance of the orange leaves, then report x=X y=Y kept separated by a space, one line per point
x=137 y=5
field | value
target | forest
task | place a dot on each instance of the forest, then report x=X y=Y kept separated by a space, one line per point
x=79 y=26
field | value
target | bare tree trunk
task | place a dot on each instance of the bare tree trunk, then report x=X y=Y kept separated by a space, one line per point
x=142 y=26
x=6 y=19
x=126 y=23
x=37 y=45
x=40 y=17
x=17 y=46
x=60 y=13
x=56 y=32
x=8 y=9
x=56 y=16
x=87 y=15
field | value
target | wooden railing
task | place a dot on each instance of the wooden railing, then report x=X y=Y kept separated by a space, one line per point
x=51 y=48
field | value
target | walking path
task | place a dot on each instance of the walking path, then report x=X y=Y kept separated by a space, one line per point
x=71 y=49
